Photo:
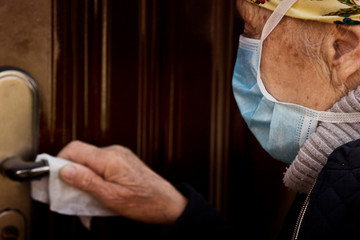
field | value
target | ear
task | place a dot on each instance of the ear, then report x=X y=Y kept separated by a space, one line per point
x=344 y=54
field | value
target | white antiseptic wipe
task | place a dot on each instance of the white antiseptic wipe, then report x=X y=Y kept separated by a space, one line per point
x=63 y=198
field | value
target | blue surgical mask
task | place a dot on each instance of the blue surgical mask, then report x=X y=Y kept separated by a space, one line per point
x=281 y=128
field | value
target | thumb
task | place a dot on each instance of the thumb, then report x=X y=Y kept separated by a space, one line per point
x=82 y=178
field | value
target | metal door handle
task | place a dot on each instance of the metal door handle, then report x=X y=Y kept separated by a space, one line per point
x=17 y=169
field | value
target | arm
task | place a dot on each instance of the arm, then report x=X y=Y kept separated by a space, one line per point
x=122 y=182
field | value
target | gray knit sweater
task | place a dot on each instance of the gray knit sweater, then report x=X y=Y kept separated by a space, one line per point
x=312 y=156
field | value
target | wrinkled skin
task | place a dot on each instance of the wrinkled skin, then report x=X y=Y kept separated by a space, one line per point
x=122 y=182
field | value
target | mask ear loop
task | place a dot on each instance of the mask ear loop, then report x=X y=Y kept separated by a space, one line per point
x=269 y=26
x=276 y=17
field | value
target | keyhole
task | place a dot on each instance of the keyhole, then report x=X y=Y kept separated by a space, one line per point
x=9 y=233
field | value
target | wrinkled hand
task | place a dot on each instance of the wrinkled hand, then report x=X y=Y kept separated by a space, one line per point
x=122 y=182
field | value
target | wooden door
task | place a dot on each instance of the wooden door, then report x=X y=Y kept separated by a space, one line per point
x=155 y=76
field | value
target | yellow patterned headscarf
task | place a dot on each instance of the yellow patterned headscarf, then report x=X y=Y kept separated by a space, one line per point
x=330 y=11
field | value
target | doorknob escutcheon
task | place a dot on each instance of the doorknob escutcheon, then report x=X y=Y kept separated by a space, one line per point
x=19 y=128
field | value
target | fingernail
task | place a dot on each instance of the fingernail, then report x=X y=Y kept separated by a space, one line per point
x=68 y=171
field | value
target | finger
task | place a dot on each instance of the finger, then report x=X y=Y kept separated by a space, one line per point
x=85 y=154
x=83 y=178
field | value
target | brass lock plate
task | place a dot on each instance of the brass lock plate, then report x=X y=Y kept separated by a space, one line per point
x=19 y=122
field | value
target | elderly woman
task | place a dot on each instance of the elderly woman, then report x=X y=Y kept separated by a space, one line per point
x=308 y=68
x=290 y=70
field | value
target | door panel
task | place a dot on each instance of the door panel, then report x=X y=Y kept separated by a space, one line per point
x=155 y=76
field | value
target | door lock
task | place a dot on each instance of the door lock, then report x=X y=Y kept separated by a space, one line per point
x=10 y=233
x=13 y=225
